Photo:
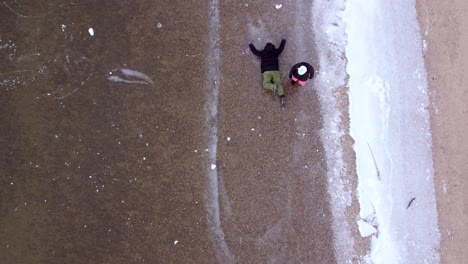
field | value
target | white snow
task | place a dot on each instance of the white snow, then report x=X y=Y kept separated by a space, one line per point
x=390 y=126
x=365 y=229
x=213 y=166
x=91 y=31
x=330 y=43
x=129 y=76
x=175 y=242
x=278 y=6
x=389 y=123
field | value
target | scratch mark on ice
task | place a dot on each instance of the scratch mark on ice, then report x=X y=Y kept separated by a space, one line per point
x=212 y=86
x=375 y=162
x=38 y=16
x=410 y=202
x=129 y=76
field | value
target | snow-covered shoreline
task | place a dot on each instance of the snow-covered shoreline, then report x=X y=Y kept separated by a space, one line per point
x=330 y=46
x=389 y=121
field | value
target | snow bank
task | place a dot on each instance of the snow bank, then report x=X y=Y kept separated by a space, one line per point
x=330 y=43
x=390 y=126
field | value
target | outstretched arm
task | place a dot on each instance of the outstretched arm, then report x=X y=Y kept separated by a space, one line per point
x=281 y=47
x=254 y=50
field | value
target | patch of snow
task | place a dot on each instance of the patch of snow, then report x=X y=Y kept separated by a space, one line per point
x=329 y=40
x=365 y=229
x=278 y=6
x=129 y=76
x=391 y=130
x=91 y=31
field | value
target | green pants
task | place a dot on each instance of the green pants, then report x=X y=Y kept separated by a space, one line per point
x=270 y=78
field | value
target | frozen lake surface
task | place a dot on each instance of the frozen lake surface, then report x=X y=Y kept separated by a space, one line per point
x=150 y=139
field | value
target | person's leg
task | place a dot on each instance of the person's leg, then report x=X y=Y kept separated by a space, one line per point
x=277 y=81
x=268 y=81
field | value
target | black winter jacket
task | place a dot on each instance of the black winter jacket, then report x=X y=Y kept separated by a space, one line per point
x=308 y=75
x=269 y=55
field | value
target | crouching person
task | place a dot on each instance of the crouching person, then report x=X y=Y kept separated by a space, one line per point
x=300 y=73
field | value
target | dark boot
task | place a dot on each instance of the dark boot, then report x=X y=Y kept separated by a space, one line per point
x=283 y=101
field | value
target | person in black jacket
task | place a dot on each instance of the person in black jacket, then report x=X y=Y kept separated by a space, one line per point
x=270 y=67
x=300 y=73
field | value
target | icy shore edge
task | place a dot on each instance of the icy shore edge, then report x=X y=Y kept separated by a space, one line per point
x=390 y=123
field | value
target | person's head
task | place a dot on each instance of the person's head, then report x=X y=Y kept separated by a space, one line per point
x=269 y=47
x=302 y=70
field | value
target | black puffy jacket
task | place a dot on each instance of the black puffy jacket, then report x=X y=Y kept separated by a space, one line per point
x=269 y=55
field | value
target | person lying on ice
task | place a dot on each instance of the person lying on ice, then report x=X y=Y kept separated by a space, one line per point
x=300 y=73
x=270 y=68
